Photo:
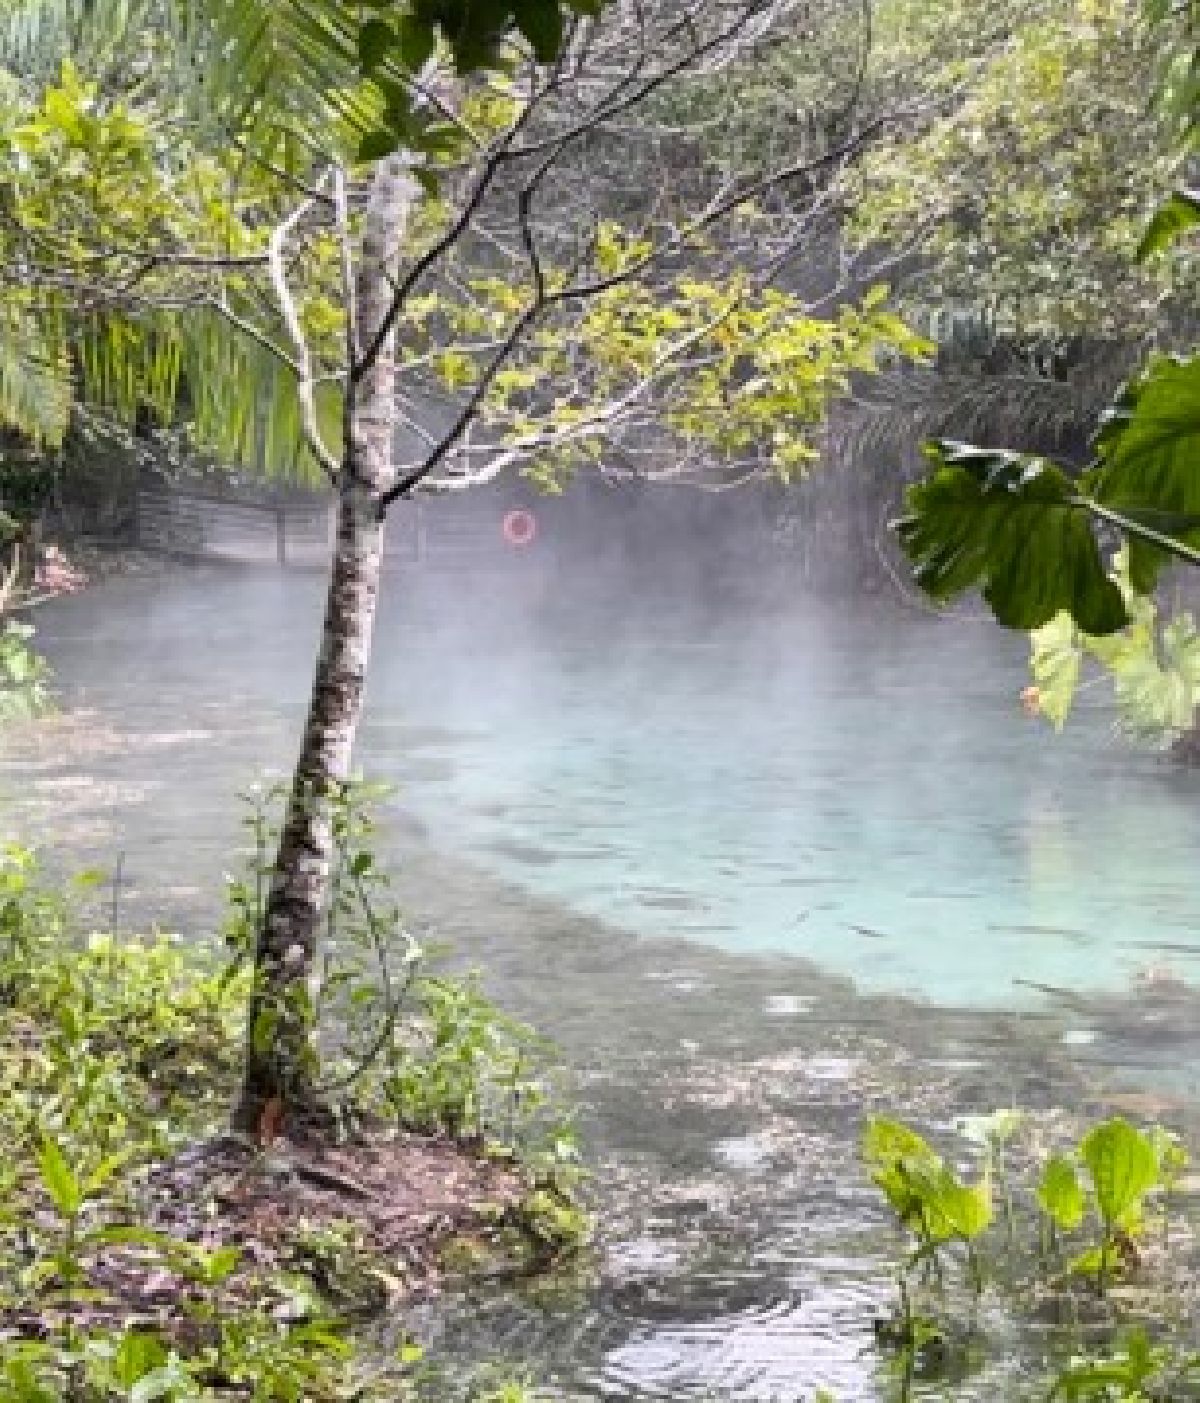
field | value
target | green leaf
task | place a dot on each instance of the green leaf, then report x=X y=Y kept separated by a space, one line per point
x=138 y=1354
x=904 y=1167
x=1149 y=446
x=1123 y=1166
x=21 y=1379
x=377 y=143
x=428 y=180
x=1054 y=660
x=473 y=28
x=1014 y=525
x=415 y=42
x=885 y=1141
x=263 y=1033
x=169 y=1378
x=541 y=22
x=104 y=1172
x=128 y=1235
x=1178 y=213
x=376 y=39
x=211 y=1267
x=1060 y=1193
x=1096 y=1262
x=61 y=1184
x=965 y=1209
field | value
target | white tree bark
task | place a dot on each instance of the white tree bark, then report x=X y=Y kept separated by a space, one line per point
x=280 y=1062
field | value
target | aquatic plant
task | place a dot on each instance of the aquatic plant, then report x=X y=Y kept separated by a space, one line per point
x=1101 y=1188
x=1123 y=1167
x=930 y=1201
x=1061 y=1196
x=1135 y=1370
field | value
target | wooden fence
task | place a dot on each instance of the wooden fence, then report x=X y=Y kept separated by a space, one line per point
x=200 y=525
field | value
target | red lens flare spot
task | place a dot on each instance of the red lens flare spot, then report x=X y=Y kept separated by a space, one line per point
x=519 y=527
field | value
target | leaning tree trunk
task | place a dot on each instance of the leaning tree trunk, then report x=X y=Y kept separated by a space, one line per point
x=280 y=1053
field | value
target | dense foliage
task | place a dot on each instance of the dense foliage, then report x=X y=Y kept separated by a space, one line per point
x=119 y=1056
x=1031 y=532
x=1024 y=198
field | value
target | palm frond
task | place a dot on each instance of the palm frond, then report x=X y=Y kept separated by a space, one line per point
x=35 y=387
x=237 y=401
x=36 y=35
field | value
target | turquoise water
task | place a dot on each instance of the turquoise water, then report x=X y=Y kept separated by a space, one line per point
x=858 y=789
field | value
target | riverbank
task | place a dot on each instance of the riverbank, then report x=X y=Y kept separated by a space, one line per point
x=139 y=1235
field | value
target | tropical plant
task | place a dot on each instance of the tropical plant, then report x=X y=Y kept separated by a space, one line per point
x=1028 y=530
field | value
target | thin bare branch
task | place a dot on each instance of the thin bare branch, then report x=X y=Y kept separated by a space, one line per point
x=305 y=391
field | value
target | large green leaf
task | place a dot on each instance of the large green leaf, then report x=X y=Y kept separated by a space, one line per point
x=964 y=1210
x=902 y=1163
x=1149 y=450
x=375 y=40
x=925 y=1194
x=541 y=22
x=1123 y=1166
x=1013 y=525
x=138 y=1354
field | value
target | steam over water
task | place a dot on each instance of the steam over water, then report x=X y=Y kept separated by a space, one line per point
x=758 y=866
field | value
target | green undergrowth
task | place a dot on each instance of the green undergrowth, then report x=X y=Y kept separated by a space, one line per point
x=1084 y=1246
x=118 y=1059
x=24 y=674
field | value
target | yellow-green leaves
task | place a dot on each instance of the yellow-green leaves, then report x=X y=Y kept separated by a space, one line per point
x=926 y=1195
x=1060 y=1194
x=1123 y=1166
x=1154 y=666
x=1055 y=659
x=742 y=377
